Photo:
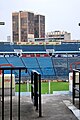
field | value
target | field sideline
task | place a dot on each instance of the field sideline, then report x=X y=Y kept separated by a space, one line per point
x=46 y=87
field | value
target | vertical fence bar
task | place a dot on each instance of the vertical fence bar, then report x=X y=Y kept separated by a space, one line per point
x=32 y=85
x=3 y=91
x=36 y=80
x=19 y=95
x=40 y=114
x=34 y=89
x=2 y=94
x=74 y=85
x=79 y=89
x=36 y=86
x=11 y=97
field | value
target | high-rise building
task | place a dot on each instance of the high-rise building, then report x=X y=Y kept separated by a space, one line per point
x=15 y=27
x=39 y=26
x=26 y=25
x=22 y=26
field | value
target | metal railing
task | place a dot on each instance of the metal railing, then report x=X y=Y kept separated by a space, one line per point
x=11 y=69
x=36 y=90
x=76 y=85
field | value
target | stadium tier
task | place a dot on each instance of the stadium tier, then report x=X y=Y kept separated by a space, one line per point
x=15 y=61
x=30 y=62
x=49 y=67
x=43 y=47
x=3 y=60
x=67 y=47
x=35 y=57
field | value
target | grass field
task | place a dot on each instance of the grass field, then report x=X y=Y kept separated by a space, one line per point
x=54 y=86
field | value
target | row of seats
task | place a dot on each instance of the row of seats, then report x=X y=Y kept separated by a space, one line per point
x=47 y=66
x=41 y=64
x=62 y=47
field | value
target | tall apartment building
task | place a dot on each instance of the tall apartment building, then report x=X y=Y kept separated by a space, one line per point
x=25 y=26
x=39 y=26
x=58 y=35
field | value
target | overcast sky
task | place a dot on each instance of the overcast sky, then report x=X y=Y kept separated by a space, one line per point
x=63 y=15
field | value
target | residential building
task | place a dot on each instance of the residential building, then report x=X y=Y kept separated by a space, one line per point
x=26 y=26
x=22 y=26
x=39 y=26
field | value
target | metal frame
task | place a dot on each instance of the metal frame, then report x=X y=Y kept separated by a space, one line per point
x=74 y=86
x=11 y=69
x=36 y=90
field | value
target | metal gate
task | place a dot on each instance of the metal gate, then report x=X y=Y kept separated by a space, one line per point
x=36 y=90
x=11 y=69
x=76 y=85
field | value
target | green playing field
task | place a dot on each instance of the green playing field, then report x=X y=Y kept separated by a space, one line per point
x=46 y=87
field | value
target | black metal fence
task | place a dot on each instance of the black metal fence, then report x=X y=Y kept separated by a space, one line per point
x=11 y=69
x=36 y=90
x=76 y=85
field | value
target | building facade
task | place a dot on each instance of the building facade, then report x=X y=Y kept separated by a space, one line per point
x=58 y=36
x=26 y=26
x=15 y=27
x=39 y=26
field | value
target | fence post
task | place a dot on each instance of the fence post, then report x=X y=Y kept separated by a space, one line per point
x=11 y=98
x=35 y=91
x=79 y=89
x=40 y=113
x=3 y=90
x=32 y=85
x=73 y=86
x=2 y=94
x=35 y=87
x=19 y=95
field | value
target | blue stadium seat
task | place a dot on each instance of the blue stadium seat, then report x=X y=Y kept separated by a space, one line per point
x=30 y=62
x=32 y=48
x=15 y=61
x=44 y=62
x=6 y=48
x=3 y=60
x=46 y=66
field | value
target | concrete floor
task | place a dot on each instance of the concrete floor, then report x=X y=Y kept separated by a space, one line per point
x=54 y=107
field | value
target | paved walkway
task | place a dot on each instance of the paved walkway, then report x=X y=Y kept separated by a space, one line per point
x=53 y=108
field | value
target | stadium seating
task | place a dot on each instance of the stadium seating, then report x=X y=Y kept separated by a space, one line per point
x=15 y=61
x=16 y=46
x=67 y=47
x=61 y=47
x=44 y=62
x=49 y=46
x=6 y=48
x=30 y=62
x=47 y=66
x=41 y=64
x=32 y=48
x=3 y=60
